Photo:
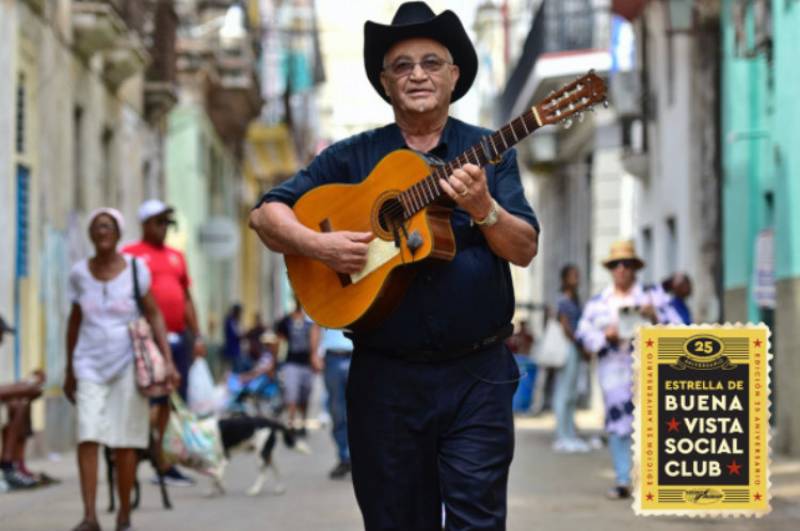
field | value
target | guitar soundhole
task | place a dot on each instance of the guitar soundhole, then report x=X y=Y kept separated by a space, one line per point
x=390 y=215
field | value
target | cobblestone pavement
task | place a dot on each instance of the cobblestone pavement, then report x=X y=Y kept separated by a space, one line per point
x=547 y=492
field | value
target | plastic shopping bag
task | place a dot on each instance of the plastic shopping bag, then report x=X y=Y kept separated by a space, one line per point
x=201 y=393
x=554 y=346
x=190 y=441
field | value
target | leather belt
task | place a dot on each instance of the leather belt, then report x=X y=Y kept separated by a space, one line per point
x=431 y=356
x=339 y=353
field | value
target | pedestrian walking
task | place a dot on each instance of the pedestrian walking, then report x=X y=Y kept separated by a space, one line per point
x=336 y=350
x=606 y=329
x=566 y=379
x=431 y=384
x=232 y=348
x=679 y=288
x=100 y=373
x=170 y=289
x=298 y=368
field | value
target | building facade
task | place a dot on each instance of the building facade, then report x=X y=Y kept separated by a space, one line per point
x=761 y=188
x=78 y=132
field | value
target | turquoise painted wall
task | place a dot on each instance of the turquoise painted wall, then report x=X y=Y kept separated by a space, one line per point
x=760 y=150
x=786 y=23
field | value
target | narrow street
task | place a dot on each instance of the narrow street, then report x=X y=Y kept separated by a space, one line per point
x=547 y=491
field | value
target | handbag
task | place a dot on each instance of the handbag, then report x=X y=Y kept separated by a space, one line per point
x=554 y=347
x=151 y=369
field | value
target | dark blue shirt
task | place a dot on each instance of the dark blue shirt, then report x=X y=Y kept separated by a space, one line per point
x=232 y=348
x=449 y=304
x=571 y=309
x=682 y=309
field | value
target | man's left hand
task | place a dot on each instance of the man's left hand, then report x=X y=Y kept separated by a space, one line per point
x=199 y=349
x=467 y=187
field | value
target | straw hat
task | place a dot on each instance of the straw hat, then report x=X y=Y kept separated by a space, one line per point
x=623 y=250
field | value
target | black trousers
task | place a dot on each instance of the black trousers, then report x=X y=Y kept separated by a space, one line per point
x=423 y=434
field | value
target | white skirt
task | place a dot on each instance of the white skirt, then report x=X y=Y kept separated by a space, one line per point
x=114 y=413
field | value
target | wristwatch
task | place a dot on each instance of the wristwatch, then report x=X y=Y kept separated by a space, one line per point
x=491 y=217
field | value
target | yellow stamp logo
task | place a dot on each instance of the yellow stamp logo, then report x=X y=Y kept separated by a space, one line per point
x=701 y=434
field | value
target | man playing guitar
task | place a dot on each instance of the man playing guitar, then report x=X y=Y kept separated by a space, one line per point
x=431 y=385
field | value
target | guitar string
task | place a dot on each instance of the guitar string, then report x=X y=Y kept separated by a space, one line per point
x=396 y=209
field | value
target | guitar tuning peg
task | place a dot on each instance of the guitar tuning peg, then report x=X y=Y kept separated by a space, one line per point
x=567 y=123
x=605 y=104
x=580 y=117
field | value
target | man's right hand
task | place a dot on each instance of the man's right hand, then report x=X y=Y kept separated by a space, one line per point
x=70 y=385
x=344 y=251
x=612 y=334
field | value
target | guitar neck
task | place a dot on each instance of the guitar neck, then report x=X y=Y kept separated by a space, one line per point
x=489 y=150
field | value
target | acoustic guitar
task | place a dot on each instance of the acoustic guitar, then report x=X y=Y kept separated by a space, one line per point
x=401 y=203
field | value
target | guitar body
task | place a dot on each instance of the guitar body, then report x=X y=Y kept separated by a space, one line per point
x=359 y=301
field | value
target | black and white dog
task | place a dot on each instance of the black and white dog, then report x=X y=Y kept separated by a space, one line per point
x=259 y=434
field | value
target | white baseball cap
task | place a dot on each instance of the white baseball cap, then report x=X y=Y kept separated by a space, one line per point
x=153 y=207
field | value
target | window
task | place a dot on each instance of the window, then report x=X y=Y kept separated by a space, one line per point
x=20 y=114
x=647 y=254
x=77 y=159
x=671 y=257
x=752 y=21
x=107 y=142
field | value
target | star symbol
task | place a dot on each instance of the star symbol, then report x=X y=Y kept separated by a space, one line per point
x=673 y=425
x=757 y=343
x=757 y=496
x=649 y=343
x=734 y=468
x=649 y=496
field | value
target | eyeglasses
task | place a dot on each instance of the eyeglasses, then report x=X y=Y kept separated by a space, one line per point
x=404 y=67
x=627 y=264
x=101 y=226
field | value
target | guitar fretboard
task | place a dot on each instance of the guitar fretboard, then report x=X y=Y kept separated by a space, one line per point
x=426 y=191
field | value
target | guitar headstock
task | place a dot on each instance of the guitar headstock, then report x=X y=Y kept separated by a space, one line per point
x=575 y=98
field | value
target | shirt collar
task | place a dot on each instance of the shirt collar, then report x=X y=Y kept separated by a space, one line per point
x=442 y=149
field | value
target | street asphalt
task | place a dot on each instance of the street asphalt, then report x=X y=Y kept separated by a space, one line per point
x=547 y=492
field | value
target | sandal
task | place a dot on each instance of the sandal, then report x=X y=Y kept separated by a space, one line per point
x=87 y=525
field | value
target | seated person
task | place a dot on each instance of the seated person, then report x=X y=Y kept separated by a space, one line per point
x=257 y=369
x=15 y=418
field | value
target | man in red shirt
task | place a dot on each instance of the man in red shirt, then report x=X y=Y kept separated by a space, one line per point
x=170 y=288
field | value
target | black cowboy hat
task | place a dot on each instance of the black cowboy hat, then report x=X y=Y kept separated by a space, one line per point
x=416 y=19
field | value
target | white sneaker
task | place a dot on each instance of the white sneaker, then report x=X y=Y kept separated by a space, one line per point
x=578 y=445
x=561 y=446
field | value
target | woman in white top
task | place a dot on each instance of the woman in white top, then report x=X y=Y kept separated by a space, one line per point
x=100 y=378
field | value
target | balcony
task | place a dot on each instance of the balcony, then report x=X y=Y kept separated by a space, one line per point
x=125 y=59
x=567 y=38
x=36 y=5
x=112 y=28
x=161 y=89
x=97 y=26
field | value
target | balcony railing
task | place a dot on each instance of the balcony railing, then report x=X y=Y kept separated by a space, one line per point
x=558 y=26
